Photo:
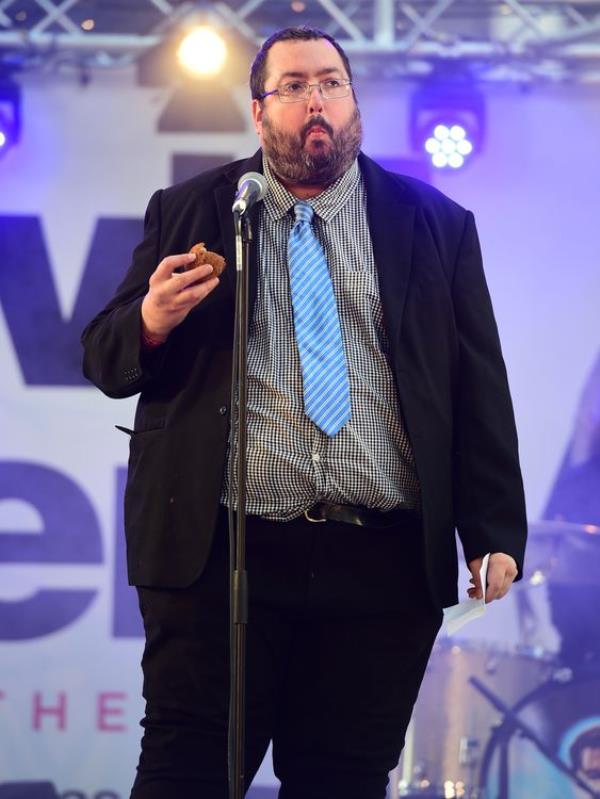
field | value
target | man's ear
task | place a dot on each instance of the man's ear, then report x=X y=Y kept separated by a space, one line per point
x=257 y=115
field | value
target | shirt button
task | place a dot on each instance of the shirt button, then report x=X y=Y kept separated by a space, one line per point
x=223 y=410
x=316 y=457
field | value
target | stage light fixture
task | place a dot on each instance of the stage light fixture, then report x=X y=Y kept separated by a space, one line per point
x=10 y=115
x=196 y=52
x=448 y=123
x=202 y=52
x=448 y=146
x=199 y=100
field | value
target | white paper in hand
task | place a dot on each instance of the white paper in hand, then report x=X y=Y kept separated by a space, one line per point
x=458 y=615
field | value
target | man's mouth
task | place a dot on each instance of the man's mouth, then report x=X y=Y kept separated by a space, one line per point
x=317 y=129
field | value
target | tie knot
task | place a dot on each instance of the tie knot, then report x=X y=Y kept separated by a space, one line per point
x=304 y=212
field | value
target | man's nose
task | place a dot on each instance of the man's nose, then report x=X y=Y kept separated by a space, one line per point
x=315 y=99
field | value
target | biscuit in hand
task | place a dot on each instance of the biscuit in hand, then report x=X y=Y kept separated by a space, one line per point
x=204 y=256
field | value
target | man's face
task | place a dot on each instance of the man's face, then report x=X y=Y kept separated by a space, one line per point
x=311 y=142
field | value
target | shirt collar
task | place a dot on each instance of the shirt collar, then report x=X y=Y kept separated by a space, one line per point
x=279 y=201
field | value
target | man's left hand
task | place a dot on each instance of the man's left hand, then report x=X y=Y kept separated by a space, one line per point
x=502 y=570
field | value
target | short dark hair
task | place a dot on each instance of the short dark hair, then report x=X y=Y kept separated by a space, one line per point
x=303 y=33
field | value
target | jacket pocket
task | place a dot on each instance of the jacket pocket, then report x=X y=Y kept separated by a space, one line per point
x=125 y=429
x=148 y=426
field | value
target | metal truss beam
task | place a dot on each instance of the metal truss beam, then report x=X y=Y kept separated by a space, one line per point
x=524 y=40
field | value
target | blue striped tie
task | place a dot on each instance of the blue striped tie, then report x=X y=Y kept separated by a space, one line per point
x=317 y=325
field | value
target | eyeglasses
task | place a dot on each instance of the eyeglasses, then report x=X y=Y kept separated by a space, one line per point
x=296 y=91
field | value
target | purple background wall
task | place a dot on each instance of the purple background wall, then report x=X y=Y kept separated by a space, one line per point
x=71 y=201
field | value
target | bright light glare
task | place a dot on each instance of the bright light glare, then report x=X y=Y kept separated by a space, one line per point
x=457 y=132
x=537 y=578
x=202 y=52
x=2 y=139
x=449 y=146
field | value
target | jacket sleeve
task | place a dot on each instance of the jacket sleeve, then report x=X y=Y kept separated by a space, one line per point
x=113 y=357
x=488 y=490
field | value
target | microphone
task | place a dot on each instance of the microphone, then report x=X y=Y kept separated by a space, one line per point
x=252 y=187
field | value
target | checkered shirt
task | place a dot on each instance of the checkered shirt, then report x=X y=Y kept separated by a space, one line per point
x=291 y=463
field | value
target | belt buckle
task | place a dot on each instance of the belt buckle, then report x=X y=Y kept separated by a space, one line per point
x=310 y=519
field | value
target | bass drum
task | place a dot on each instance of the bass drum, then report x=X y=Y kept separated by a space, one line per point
x=565 y=715
x=452 y=722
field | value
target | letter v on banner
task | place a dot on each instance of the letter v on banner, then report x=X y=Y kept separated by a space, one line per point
x=47 y=345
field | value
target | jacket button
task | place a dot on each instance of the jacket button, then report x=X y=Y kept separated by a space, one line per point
x=223 y=410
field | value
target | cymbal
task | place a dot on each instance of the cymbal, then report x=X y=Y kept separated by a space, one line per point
x=562 y=553
x=558 y=527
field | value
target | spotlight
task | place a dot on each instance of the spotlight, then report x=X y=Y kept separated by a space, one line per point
x=10 y=115
x=194 y=51
x=449 y=146
x=202 y=52
x=187 y=54
x=447 y=122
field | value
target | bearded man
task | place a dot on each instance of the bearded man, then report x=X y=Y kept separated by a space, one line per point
x=379 y=421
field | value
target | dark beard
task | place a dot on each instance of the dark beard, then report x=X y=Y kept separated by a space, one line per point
x=293 y=164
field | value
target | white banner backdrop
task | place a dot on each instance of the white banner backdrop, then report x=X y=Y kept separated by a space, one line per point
x=72 y=197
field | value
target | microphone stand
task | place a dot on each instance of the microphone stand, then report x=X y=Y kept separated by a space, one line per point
x=238 y=585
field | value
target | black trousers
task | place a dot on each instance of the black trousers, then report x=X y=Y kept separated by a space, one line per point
x=340 y=630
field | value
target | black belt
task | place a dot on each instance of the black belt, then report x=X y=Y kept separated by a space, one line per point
x=364 y=517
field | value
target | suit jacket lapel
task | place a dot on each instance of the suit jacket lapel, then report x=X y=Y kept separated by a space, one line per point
x=391 y=224
x=224 y=197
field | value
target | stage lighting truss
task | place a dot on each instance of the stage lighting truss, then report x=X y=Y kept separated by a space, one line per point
x=10 y=115
x=493 y=40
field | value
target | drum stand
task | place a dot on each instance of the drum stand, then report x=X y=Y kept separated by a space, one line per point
x=403 y=772
x=510 y=724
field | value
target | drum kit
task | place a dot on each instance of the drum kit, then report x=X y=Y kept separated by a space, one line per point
x=517 y=722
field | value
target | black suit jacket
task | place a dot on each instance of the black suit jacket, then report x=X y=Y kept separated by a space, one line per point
x=445 y=355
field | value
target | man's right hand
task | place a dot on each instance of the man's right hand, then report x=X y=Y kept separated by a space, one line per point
x=172 y=295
